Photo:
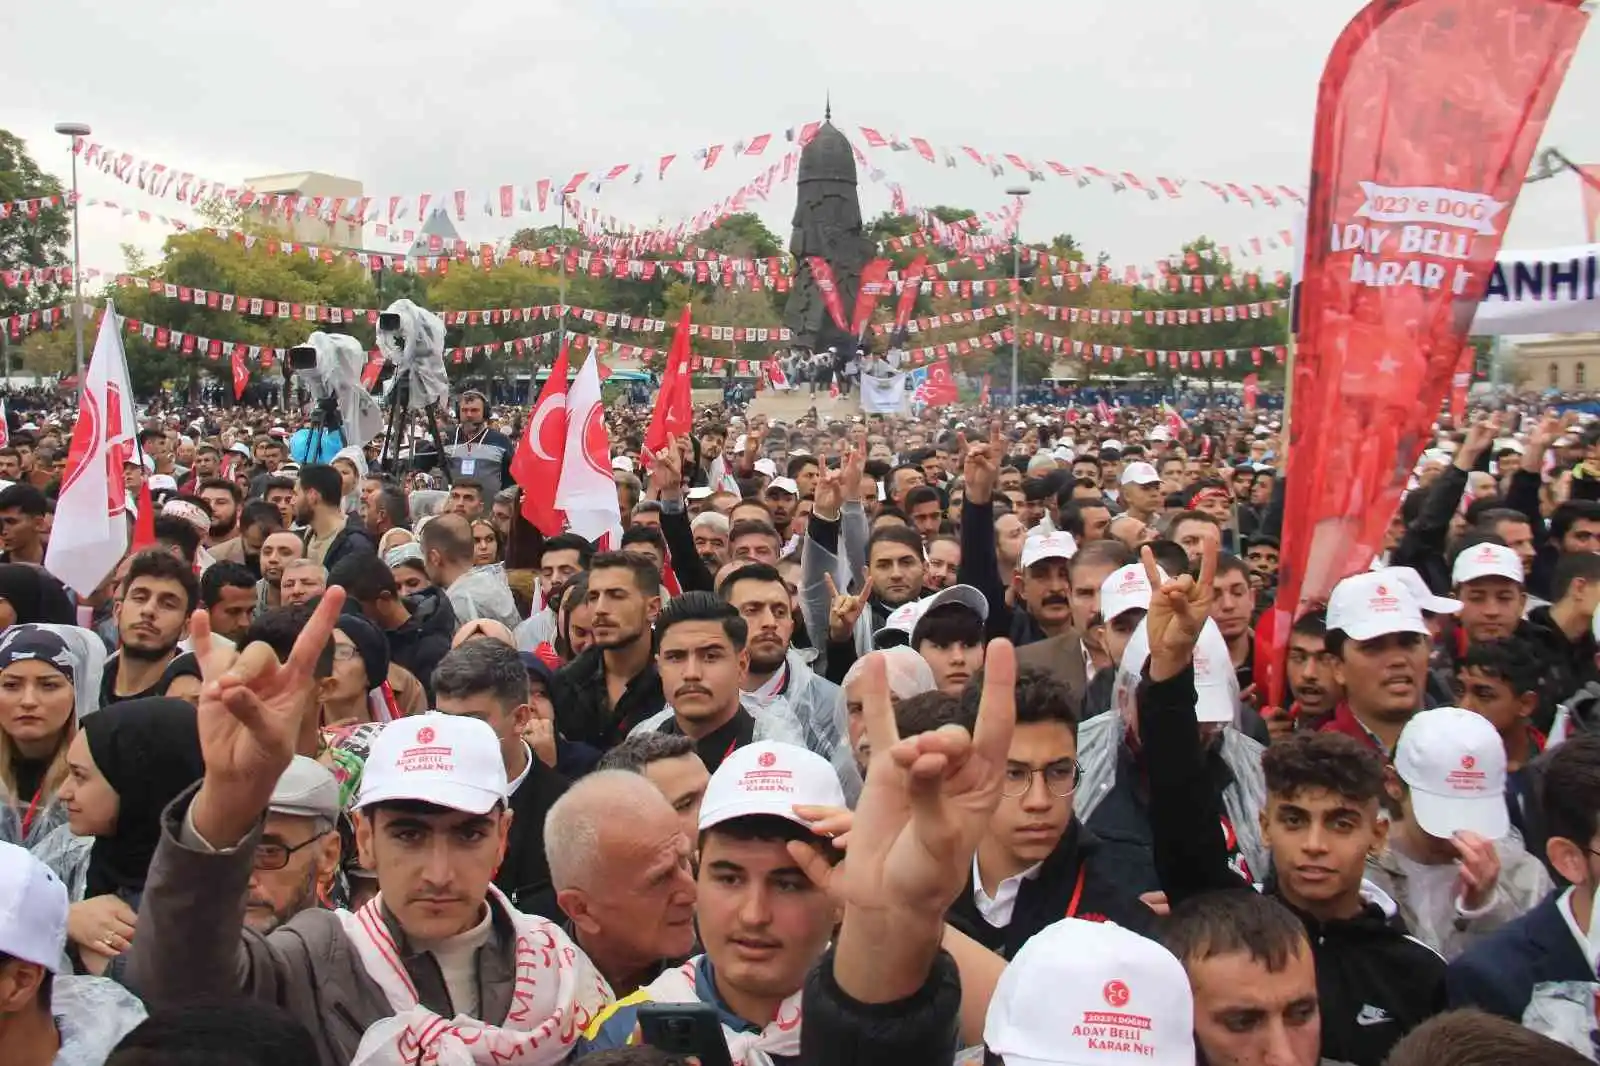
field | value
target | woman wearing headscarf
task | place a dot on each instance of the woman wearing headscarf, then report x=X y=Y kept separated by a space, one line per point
x=125 y=766
x=351 y=463
x=31 y=594
x=49 y=681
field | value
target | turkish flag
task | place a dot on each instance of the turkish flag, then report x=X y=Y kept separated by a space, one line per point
x=940 y=388
x=241 y=374
x=536 y=464
x=674 y=413
x=1428 y=115
x=587 y=490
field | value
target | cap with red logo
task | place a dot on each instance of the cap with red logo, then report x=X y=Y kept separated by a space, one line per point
x=1041 y=546
x=769 y=777
x=1127 y=589
x=443 y=759
x=1374 y=604
x=1455 y=765
x=1216 y=684
x=1486 y=560
x=1116 y=997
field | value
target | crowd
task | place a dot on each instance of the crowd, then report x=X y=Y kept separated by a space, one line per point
x=874 y=740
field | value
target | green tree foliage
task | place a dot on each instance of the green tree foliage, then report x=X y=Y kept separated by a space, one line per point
x=26 y=240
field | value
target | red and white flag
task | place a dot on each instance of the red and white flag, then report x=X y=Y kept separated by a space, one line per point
x=90 y=535
x=5 y=427
x=536 y=464
x=586 y=491
x=674 y=413
x=241 y=373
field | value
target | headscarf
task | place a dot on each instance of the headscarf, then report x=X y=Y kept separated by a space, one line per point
x=149 y=751
x=35 y=594
x=405 y=553
x=79 y=654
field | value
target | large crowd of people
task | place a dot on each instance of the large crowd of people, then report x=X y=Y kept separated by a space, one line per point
x=879 y=740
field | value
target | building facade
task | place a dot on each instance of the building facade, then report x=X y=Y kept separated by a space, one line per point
x=303 y=226
x=1568 y=362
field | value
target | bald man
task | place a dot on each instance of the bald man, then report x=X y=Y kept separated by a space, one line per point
x=474 y=593
x=626 y=885
x=277 y=552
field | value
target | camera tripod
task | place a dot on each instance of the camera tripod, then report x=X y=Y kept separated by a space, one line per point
x=400 y=400
x=324 y=419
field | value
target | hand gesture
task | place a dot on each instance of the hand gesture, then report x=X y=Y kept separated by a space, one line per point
x=1178 y=611
x=927 y=801
x=249 y=716
x=1544 y=435
x=666 y=470
x=828 y=497
x=981 y=467
x=541 y=737
x=846 y=609
x=852 y=469
x=1479 y=865
x=1481 y=434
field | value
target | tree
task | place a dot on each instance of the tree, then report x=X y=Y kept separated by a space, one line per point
x=743 y=235
x=30 y=239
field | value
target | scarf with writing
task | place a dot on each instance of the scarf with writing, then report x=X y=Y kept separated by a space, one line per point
x=780 y=1037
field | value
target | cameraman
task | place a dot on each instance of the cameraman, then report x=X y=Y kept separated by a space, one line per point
x=477 y=451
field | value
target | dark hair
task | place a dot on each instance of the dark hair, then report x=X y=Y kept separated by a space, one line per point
x=450 y=535
x=703 y=607
x=920 y=494
x=1513 y=660
x=927 y=711
x=279 y=627
x=645 y=535
x=1570 y=567
x=24 y=497
x=1473 y=1038
x=178 y=532
x=364 y=576
x=642 y=749
x=753 y=527
x=148 y=435
x=1072 y=518
x=798 y=463
x=565 y=542
x=277 y=483
x=1041 y=697
x=1110 y=553
x=469 y=483
x=646 y=575
x=221 y=575
x=902 y=535
x=749 y=572
x=1261 y=540
x=1036 y=488
x=1312 y=624
x=1492 y=512
x=155 y=563
x=769 y=827
x=241 y=1032
x=1192 y=516
x=392 y=502
x=947 y=624
x=1169 y=555
x=1228 y=563
x=260 y=513
x=42 y=994
x=325 y=482
x=483 y=667
x=1565 y=515
x=1569 y=790
x=1331 y=762
x=1231 y=922
x=222 y=484
x=889 y=510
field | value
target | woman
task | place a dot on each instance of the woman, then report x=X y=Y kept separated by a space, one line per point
x=124 y=767
x=31 y=594
x=358 y=689
x=49 y=681
x=394 y=538
x=352 y=466
x=486 y=542
x=406 y=564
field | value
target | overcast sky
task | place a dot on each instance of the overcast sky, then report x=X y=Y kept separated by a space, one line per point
x=409 y=97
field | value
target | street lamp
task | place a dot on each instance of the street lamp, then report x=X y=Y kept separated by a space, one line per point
x=76 y=130
x=1018 y=191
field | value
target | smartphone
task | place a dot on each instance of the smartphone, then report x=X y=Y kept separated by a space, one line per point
x=685 y=1029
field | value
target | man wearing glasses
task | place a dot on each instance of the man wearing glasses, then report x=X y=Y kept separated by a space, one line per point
x=1037 y=863
x=298 y=854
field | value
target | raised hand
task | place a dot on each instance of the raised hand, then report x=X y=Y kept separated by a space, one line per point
x=1544 y=435
x=1479 y=869
x=846 y=609
x=981 y=467
x=666 y=470
x=829 y=494
x=852 y=469
x=1179 y=608
x=1479 y=436
x=927 y=801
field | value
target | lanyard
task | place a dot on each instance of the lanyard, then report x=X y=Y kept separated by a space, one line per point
x=1077 y=893
x=33 y=809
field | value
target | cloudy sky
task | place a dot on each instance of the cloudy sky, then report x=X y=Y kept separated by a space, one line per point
x=410 y=97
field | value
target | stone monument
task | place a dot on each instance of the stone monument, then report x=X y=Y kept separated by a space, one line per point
x=827 y=223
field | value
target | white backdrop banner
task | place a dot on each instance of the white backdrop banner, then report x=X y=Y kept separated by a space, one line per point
x=883 y=396
x=1556 y=290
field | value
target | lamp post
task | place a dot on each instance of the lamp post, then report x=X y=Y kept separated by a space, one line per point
x=75 y=130
x=1018 y=191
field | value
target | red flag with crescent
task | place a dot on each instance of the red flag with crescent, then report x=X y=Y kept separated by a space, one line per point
x=536 y=463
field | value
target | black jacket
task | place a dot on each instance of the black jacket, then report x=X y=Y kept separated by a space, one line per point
x=1374 y=981
x=349 y=541
x=524 y=874
x=1054 y=894
x=922 y=1030
x=1499 y=973
x=1423 y=546
x=424 y=639
x=1569 y=664
x=583 y=709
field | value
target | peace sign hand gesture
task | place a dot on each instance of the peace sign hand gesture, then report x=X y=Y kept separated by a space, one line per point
x=846 y=609
x=249 y=715
x=1178 y=611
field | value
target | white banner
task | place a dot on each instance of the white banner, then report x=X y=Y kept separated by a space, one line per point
x=883 y=396
x=1556 y=290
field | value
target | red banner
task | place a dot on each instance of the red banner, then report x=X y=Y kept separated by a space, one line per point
x=1591 y=199
x=829 y=289
x=874 y=285
x=1252 y=386
x=908 y=292
x=241 y=372
x=1427 y=118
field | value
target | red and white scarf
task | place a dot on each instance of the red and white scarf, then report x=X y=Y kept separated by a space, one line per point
x=556 y=994
x=780 y=1037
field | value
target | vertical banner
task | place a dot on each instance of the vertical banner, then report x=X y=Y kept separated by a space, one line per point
x=910 y=286
x=1590 y=176
x=874 y=284
x=1252 y=387
x=1461 y=383
x=823 y=272
x=1428 y=114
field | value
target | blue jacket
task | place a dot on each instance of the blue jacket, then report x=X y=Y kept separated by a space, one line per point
x=1500 y=973
x=614 y=1027
x=329 y=444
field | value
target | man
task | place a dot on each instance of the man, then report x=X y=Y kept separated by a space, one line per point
x=702 y=656
x=465 y=499
x=754 y=541
x=384 y=510
x=1500 y=680
x=895 y=568
x=154 y=443
x=447 y=557
x=504 y=510
x=278 y=550
x=782 y=496
x=926 y=512
x=223 y=500
x=298 y=855
x=1140 y=487
x=319 y=506
x=610 y=688
x=1312 y=674
x=948 y=633
x=804 y=470
x=669 y=762
x=228 y=593
x=303 y=581
x=1261 y=554
x=10 y=465
x=280 y=492
x=22 y=524
x=419 y=627
x=486 y=680
x=559 y=561
x=1380 y=645
x=1570 y=648
x=48 y=1018
x=478 y=451
x=1084 y=521
x=432 y=826
x=625 y=885
x=153 y=608
x=763 y=922
x=1488 y=580
x=1233 y=607
x=942 y=562
x=1193 y=530
x=1514 y=529
x=710 y=532
x=257 y=521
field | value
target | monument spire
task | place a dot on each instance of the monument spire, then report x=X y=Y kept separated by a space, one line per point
x=827 y=107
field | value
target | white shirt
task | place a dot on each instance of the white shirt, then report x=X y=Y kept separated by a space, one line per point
x=527 y=767
x=1564 y=905
x=997 y=911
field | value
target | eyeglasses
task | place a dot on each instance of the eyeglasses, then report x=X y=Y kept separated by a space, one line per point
x=271 y=856
x=345 y=652
x=1060 y=778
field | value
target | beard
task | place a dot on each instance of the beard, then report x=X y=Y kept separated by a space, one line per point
x=148 y=652
x=221 y=531
x=304 y=899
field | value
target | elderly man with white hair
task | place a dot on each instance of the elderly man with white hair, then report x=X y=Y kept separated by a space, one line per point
x=625 y=885
x=303 y=581
x=909 y=675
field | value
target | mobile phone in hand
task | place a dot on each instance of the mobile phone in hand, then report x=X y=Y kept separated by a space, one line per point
x=685 y=1029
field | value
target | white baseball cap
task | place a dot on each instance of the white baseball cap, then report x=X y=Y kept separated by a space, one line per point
x=444 y=759
x=33 y=909
x=1125 y=590
x=1374 y=604
x=1425 y=597
x=783 y=484
x=769 y=777
x=1486 y=560
x=700 y=492
x=622 y=463
x=1455 y=765
x=766 y=466
x=1216 y=686
x=1140 y=474
x=1100 y=976
x=1041 y=546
